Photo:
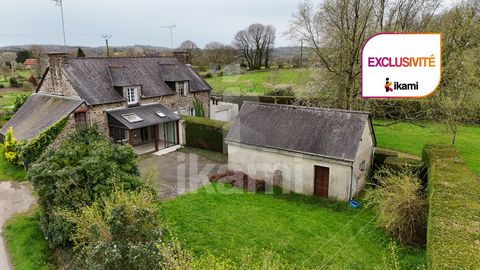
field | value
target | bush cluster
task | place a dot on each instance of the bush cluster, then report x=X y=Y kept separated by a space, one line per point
x=86 y=167
x=454 y=210
x=401 y=204
x=206 y=133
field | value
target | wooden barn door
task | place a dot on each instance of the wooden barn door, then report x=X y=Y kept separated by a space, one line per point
x=320 y=187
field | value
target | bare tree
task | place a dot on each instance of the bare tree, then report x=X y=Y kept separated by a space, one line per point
x=219 y=54
x=337 y=30
x=255 y=45
x=9 y=58
x=37 y=52
x=191 y=48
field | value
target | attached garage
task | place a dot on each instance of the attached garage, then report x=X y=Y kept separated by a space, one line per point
x=314 y=151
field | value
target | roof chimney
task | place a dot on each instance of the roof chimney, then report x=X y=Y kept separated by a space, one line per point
x=183 y=56
x=57 y=62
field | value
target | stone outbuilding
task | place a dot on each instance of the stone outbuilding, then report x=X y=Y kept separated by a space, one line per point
x=314 y=151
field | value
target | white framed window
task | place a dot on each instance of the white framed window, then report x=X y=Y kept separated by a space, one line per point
x=182 y=88
x=132 y=95
x=191 y=112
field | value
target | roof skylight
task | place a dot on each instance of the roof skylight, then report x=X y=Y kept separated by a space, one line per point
x=161 y=114
x=132 y=118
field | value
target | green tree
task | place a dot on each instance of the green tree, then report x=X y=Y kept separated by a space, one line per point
x=19 y=101
x=84 y=168
x=22 y=56
x=81 y=53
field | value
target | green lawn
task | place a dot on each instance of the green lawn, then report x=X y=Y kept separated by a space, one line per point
x=7 y=98
x=259 y=82
x=410 y=138
x=306 y=231
x=23 y=73
x=26 y=245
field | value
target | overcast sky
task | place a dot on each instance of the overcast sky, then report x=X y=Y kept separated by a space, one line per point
x=132 y=22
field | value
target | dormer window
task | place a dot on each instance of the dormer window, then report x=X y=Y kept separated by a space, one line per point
x=182 y=88
x=132 y=94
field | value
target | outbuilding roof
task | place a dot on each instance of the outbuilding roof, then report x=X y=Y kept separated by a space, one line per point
x=39 y=112
x=95 y=79
x=322 y=132
x=142 y=116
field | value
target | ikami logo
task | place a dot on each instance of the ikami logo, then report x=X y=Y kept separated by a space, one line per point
x=412 y=62
x=390 y=86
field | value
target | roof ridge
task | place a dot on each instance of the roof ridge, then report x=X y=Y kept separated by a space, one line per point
x=306 y=107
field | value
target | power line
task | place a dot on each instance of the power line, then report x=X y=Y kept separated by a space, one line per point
x=107 y=37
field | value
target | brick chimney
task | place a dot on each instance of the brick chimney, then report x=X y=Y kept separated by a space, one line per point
x=57 y=62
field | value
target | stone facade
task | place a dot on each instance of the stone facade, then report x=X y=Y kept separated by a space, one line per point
x=55 y=82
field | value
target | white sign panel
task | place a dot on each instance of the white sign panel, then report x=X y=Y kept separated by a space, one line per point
x=399 y=65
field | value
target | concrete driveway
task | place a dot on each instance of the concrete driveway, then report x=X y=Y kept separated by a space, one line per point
x=14 y=198
x=177 y=172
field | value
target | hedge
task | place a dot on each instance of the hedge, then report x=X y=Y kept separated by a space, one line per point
x=453 y=231
x=206 y=133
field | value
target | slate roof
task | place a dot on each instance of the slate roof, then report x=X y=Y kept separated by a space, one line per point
x=146 y=112
x=322 y=132
x=95 y=79
x=39 y=112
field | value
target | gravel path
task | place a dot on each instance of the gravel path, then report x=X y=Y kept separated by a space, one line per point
x=14 y=198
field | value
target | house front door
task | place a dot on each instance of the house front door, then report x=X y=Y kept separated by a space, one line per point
x=322 y=176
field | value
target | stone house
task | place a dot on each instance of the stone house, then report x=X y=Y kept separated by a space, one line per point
x=314 y=151
x=134 y=100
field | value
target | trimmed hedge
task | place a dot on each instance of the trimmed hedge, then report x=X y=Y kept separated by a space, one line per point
x=206 y=133
x=453 y=232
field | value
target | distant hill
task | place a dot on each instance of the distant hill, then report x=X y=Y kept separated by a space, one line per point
x=59 y=48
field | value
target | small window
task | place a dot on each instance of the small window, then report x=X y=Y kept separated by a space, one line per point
x=161 y=114
x=132 y=95
x=182 y=88
x=132 y=118
x=362 y=166
x=80 y=120
x=191 y=112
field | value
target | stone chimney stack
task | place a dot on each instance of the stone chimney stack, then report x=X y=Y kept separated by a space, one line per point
x=57 y=62
x=183 y=56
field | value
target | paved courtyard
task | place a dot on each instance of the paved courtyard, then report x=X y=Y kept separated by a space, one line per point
x=177 y=172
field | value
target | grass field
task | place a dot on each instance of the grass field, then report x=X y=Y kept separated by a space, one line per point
x=305 y=230
x=23 y=73
x=25 y=243
x=259 y=82
x=410 y=138
x=7 y=97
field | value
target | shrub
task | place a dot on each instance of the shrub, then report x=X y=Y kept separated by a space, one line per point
x=86 y=167
x=2 y=86
x=401 y=204
x=14 y=82
x=122 y=232
x=454 y=210
x=10 y=147
x=33 y=80
x=19 y=101
x=198 y=105
x=206 y=133
x=206 y=75
x=282 y=90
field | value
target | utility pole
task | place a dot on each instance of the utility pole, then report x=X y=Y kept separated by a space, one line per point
x=107 y=37
x=171 y=33
x=59 y=3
